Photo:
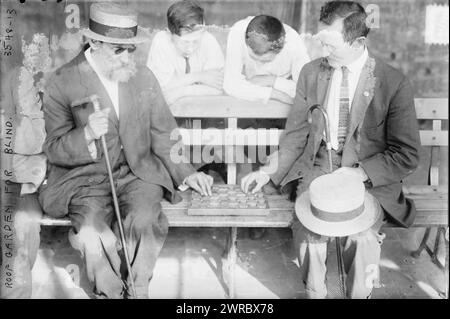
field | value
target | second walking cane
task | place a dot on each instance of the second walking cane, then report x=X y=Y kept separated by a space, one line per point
x=330 y=164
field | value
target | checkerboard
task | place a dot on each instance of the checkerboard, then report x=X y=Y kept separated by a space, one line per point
x=228 y=200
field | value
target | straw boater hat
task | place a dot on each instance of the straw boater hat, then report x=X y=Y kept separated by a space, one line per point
x=337 y=205
x=113 y=23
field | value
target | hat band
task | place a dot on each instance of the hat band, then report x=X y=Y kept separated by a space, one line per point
x=112 y=32
x=337 y=217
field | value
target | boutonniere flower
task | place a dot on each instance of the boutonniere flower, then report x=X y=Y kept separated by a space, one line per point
x=325 y=65
x=371 y=79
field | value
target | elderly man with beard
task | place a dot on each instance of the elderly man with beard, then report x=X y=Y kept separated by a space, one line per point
x=137 y=124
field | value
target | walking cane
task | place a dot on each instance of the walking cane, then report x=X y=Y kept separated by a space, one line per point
x=330 y=164
x=95 y=101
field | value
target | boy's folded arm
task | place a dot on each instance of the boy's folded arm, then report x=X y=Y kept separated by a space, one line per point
x=285 y=85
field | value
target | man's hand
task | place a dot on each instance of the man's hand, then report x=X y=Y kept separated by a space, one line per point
x=281 y=96
x=98 y=123
x=200 y=182
x=260 y=178
x=213 y=78
x=263 y=80
x=355 y=171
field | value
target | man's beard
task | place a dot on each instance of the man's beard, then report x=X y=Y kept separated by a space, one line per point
x=114 y=69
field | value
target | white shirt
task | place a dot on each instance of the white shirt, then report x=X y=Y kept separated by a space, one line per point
x=112 y=87
x=239 y=65
x=332 y=107
x=165 y=61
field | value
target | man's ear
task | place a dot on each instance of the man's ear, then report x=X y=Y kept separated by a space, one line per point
x=359 y=43
x=94 y=44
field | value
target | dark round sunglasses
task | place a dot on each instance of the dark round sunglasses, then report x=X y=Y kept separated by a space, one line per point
x=120 y=49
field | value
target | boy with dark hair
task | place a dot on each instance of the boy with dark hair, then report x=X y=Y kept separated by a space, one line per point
x=263 y=61
x=373 y=136
x=186 y=59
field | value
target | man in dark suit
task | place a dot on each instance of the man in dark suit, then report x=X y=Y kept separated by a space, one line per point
x=374 y=135
x=137 y=125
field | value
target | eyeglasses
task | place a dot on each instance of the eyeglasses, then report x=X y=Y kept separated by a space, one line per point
x=120 y=49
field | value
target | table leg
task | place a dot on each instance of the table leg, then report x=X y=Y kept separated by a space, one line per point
x=231 y=255
x=230 y=154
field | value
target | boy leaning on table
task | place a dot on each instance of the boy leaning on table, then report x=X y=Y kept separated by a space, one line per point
x=186 y=59
x=263 y=61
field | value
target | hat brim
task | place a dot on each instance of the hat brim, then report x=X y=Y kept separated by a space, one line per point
x=142 y=36
x=364 y=221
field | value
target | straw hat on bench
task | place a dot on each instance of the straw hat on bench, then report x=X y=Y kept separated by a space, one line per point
x=337 y=205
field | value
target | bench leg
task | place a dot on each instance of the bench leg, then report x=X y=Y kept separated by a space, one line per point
x=423 y=244
x=231 y=257
x=434 y=256
x=444 y=294
x=433 y=253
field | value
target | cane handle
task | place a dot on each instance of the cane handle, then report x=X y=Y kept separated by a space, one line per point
x=95 y=101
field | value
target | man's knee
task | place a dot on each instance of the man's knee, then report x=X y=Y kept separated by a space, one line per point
x=144 y=218
x=91 y=240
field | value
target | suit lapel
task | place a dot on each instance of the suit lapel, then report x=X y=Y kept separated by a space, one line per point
x=363 y=96
x=323 y=88
x=323 y=82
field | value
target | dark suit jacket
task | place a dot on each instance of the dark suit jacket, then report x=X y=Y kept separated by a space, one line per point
x=383 y=132
x=143 y=130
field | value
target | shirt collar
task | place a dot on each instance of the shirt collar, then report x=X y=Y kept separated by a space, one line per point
x=357 y=65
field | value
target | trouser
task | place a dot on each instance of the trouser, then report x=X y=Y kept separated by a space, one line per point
x=361 y=252
x=361 y=257
x=96 y=233
x=16 y=281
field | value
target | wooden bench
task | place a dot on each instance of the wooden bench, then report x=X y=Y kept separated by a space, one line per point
x=430 y=199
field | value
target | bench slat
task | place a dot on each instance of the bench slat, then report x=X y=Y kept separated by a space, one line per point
x=426 y=218
x=432 y=209
x=227 y=137
x=425 y=190
x=272 y=136
x=227 y=107
x=280 y=218
x=433 y=138
x=432 y=109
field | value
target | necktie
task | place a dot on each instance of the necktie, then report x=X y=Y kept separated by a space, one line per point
x=344 y=106
x=187 y=122
x=188 y=66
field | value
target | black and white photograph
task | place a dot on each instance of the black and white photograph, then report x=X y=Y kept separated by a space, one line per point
x=235 y=151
